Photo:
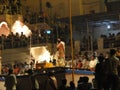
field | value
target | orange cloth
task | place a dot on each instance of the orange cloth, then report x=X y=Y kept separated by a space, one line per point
x=79 y=65
x=48 y=65
x=60 y=48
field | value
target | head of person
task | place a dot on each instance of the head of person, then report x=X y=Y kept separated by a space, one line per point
x=58 y=40
x=10 y=71
x=72 y=84
x=85 y=79
x=64 y=81
x=112 y=52
x=101 y=58
x=92 y=57
x=20 y=18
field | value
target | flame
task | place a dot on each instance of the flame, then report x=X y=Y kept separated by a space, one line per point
x=44 y=57
x=40 y=54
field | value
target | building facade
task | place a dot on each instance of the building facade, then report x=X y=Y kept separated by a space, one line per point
x=61 y=7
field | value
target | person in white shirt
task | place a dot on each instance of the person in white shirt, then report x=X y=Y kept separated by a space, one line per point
x=93 y=62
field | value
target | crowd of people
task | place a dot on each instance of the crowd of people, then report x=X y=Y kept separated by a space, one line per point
x=50 y=81
x=10 y=6
x=105 y=67
x=112 y=40
x=17 y=41
x=107 y=71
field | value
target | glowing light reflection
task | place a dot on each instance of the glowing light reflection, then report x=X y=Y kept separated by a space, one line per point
x=19 y=27
x=4 y=29
x=40 y=54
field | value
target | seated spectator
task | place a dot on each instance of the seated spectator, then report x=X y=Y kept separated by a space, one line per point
x=85 y=63
x=79 y=64
x=93 y=62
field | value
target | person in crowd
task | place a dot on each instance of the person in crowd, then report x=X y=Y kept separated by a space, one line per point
x=63 y=85
x=94 y=84
x=112 y=81
x=93 y=62
x=32 y=63
x=80 y=80
x=118 y=56
x=26 y=66
x=61 y=52
x=79 y=64
x=72 y=86
x=5 y=69
x=10 y=81
x=84 y=84
x=23 y=40
x=85 y=62
x=52 y=82
x=16 y=69
x=100 y=75
x=11 y=37
x=34 y=80
x=118 y=53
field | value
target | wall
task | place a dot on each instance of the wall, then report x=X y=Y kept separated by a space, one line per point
x=61 y=7
x=91 y=5
x=15 y=55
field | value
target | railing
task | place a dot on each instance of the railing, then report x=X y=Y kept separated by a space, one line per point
x=111 y=43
